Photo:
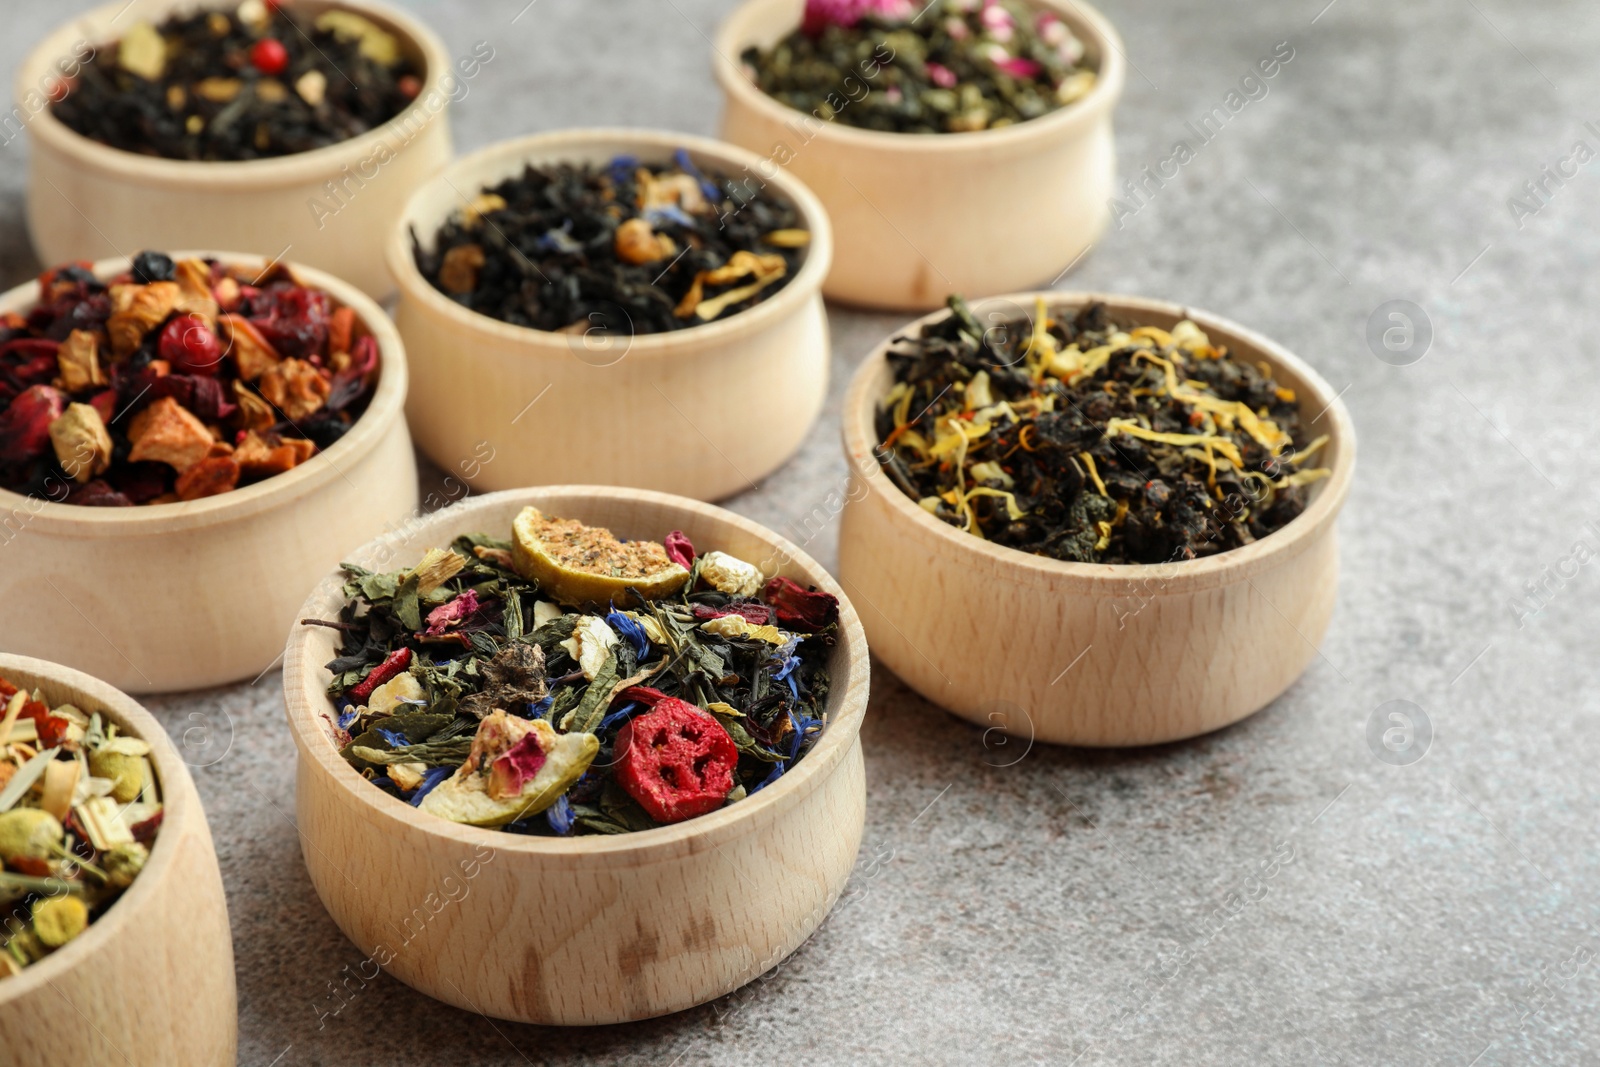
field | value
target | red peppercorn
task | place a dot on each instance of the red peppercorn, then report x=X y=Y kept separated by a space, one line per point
x=676 y=761
x=269 y=56
x=189 y=344
x=409 y=85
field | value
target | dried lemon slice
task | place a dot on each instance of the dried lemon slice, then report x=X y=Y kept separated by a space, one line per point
x=578 y=564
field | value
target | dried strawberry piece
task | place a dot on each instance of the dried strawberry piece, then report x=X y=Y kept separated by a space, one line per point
x=798 y=607
x=753 y=613
x=649 y=696
x=52 y=729
x=676 y=761
x=145 y=832
x=679 y=549
x=25 y=425
x=393 y=664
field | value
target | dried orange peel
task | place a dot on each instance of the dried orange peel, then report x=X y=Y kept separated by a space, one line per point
x=578 y=564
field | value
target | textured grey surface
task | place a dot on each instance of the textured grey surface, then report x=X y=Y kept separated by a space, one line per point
x=1116 y=907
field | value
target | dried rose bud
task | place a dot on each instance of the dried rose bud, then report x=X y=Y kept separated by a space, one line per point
x=680 y=549
x=25 y=425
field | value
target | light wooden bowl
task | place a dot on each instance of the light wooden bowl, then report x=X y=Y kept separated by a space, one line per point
x=920 y=216
x=87 y=200
x=151 y=981
x=704 y=412
x=1092 y=654
x=585 y=930
x=166 y=597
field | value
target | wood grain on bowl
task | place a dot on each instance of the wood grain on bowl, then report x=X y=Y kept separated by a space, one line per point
x=150 y=983
x=330 y=208
x=178 y=596
x=920 y=216
x=589 y=930
x=704 y=412
x=1082 y=653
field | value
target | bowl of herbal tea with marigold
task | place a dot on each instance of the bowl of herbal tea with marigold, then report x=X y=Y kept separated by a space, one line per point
x=591 y=718
x=1127 y=508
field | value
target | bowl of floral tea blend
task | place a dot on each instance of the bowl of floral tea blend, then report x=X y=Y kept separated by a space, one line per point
x=959 y=146
x=1149 y=486
x=106 y=874
x=550 y=282
x=195 y=416
x=557 y=693
x=222 y=124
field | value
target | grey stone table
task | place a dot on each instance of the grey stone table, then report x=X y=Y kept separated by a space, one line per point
x=1115 y=907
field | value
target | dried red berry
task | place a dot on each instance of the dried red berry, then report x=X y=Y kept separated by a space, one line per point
x=190 y=345
x=676 y=761
x=409 y=85
x=25 y=425
x=751 y=612
x=800 y=608
x=269 y=56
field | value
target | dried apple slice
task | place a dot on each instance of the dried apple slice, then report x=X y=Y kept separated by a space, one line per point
x=517 y=769
x=578 y=564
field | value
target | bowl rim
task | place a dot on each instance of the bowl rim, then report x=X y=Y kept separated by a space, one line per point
x=233 y=175
x=462 y=175
x=860 y=441
x=1096 y=31
x=180 y=804
x=303 y=686
x=387 y=404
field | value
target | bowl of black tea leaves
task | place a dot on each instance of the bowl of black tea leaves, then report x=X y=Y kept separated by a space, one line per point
x=257 y=125
x=625 y=307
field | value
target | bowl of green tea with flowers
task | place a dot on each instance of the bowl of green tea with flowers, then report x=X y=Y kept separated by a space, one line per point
x=1131 y=503
x=958 y=145
x=566 y=696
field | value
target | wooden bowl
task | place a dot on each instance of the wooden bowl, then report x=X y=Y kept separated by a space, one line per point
x=920 y=216
x=584 y=930
x=151 y=981
x=704 y=412
x=1093 y=654
x=165 y=597
x=87 y=200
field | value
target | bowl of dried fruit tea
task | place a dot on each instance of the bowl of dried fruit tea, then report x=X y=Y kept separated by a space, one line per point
x=1093 y=520
x=959 y=145
x=591 y=753
x=187 y=444
x=109 y=887
x=622 y=307
x=294 y=128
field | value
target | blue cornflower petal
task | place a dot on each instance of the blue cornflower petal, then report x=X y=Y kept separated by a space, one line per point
x=434 y=776
x=655 y=216
x=707 y=186
x=347 y=715
x=623 y=714
x=558 y=240
x=622 y=168
x=560 y=816
x=538 y=710
x=395 y=738
x=630 y=629
x=777 y=772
